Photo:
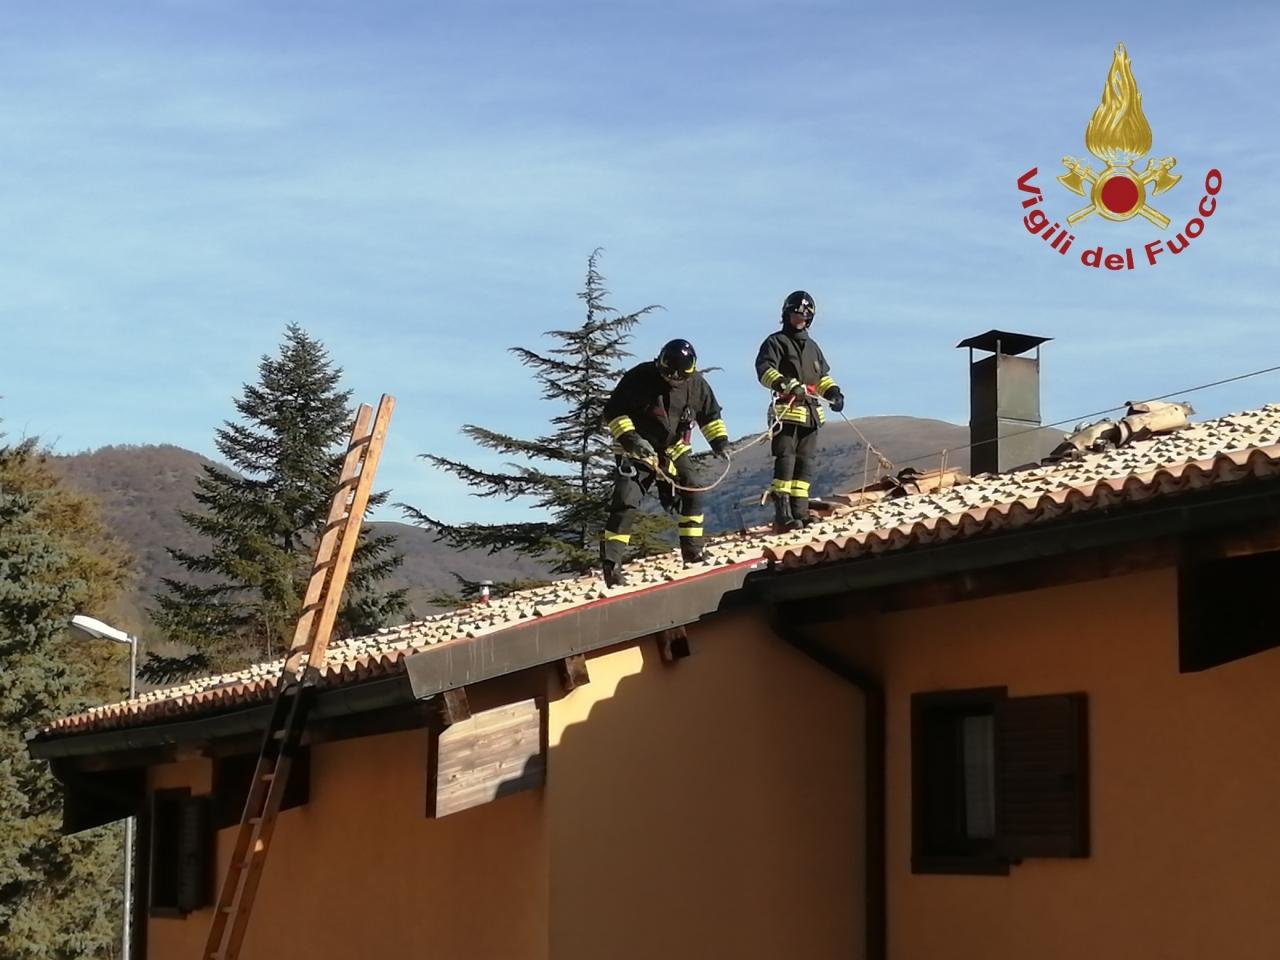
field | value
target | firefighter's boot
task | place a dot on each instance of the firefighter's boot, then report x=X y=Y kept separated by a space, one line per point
x=800 y=511
x=614 y=576
x=612 y=551
x=692 y=550
x=783 y=520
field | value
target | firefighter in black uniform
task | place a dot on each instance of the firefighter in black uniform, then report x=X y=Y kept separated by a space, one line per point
x=791 y=364
x=651 y=414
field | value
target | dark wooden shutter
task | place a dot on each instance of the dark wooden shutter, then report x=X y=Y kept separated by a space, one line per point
x=194 y=854
x=231 y=776
x=1042 y=785
x=181 y=849
x=1226 y=610
x=165 y=815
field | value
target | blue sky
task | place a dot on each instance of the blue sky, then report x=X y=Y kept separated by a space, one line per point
x=419 y=186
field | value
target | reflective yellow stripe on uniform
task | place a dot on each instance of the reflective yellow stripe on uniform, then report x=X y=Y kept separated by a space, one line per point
x=825 y=384
x=770 y=377
x=620 y=537
x=792 y=413
x=620 y=425
x=799 y=488
x=715 y=430
x=780 y=486
x=693 y=528
x=676 y=451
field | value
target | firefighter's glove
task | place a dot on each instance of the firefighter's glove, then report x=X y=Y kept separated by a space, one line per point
x=720 y=449
x=836 y=399
x=667 y=497
x=638 y=447
x=795 y=389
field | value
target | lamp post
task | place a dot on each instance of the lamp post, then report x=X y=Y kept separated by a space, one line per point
x=97 y=630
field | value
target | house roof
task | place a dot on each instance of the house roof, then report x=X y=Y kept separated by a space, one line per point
x=1215 y=452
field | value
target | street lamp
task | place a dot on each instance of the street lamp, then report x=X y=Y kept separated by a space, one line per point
x=97 y=630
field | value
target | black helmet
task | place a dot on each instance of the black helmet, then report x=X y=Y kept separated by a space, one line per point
x=799 y=302
x=677 y=360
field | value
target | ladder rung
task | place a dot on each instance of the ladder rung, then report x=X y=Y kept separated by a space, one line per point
x=270 y=775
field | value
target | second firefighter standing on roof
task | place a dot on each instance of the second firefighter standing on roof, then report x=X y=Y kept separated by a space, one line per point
x=790 y=363
x=651 y=414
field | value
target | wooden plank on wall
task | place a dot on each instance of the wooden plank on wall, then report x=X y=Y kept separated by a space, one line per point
x=490 y=755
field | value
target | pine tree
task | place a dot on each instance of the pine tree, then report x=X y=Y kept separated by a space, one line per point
x=566 y=473
x=60 y=896
x=262 y=521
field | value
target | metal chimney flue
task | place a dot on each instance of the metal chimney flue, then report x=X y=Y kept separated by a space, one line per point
x=1004 y=401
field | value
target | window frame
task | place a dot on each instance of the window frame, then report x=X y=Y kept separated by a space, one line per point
x=180 y=874
x=1040 y=779
x=984 y=858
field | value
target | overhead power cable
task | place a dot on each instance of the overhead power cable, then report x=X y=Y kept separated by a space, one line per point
x=947 y=451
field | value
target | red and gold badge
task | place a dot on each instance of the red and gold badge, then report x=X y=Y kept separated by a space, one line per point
x=1119 y=135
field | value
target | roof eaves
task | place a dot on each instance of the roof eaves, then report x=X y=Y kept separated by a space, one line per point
x=1099 y=494
x=1192 y=511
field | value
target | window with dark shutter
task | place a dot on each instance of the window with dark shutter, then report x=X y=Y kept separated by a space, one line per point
x=231 y=779
x=1041 y=783
x=1226 y=610
x=996 y=779
x=181 y=847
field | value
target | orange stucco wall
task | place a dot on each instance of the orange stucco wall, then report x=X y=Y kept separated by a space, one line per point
x=1184 y=781
x=710 y=808
x=361 y=872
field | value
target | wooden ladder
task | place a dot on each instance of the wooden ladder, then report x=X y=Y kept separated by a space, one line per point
x=294 y=689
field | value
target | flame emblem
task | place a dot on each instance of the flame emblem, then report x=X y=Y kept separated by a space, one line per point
x=1119 y=135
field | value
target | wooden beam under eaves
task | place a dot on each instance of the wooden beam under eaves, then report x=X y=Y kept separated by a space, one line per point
x=573 y=672
x=455 y=706
x=673 y=644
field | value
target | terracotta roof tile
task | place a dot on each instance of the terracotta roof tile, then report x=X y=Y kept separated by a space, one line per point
x=1229 y=448
x=1216 y=451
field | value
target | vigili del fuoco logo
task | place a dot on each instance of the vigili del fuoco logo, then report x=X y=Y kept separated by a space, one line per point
x=1119 y=136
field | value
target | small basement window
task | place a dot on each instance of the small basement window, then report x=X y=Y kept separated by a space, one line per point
x=181 y=853
x=996 y=779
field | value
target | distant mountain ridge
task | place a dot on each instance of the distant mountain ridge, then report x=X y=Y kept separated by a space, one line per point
x=144 y=489
x=843 y=462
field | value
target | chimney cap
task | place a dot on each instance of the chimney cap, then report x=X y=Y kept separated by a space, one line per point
x=1001 y=341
